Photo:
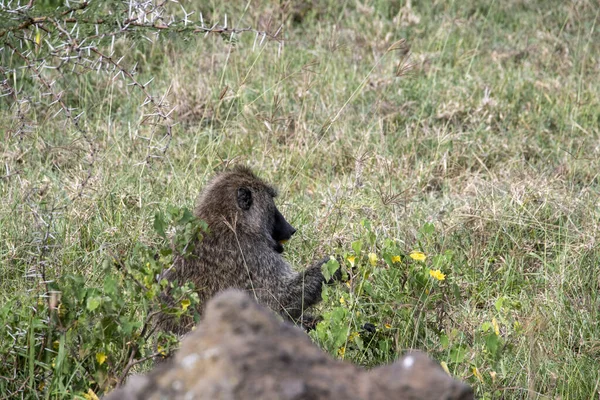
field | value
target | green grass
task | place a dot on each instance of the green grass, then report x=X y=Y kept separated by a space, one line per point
x=484 y=155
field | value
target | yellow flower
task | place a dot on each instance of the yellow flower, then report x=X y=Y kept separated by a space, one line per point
x=342 y=300
x=445 y=367
x=388 y=326
x=437 y=274
x=90 y=395
x=477 y=374
x=185 y=304
x=373 y=259
x=351 y=260
x=396 y=259
x=417 y=255
x=100 y=357
x=161 y=350
x=496 y=327
x=342 y=351
x=353 y=335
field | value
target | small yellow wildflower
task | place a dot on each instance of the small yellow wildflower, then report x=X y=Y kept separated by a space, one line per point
x=351 y=260
x=342 y=351
x=388 y=326
x=55 y=344
x=417 y=256
x=90 y=395
x=353 y=335
x=496 y=327
x=101 y=357
x=396 y=259
x=161 y=350
x=185 y=304
x=373 y=259
x=445 y=367
x=477 y=374
x=437 y=274
x=342 y=300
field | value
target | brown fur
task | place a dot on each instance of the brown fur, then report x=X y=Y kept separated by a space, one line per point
x=242 y=250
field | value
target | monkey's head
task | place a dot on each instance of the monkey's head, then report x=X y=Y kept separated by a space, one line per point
x=239 y=199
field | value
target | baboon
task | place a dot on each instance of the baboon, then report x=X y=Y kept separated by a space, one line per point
x=243 y=249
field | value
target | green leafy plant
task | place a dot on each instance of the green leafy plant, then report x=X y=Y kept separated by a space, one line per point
x=399 y=299
x=87 y=335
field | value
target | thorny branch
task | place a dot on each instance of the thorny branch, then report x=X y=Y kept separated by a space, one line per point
x=79 y=38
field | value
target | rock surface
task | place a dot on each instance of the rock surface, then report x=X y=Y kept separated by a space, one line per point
x=242 y=351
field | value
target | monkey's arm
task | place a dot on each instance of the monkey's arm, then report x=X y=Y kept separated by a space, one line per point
x=303 y=290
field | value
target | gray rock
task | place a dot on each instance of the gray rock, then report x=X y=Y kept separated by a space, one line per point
x=242 y=351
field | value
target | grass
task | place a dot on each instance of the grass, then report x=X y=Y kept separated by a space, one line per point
x=480 y=148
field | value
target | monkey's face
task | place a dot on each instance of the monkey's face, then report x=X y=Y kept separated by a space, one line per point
x=259 y=207
x=282 y=231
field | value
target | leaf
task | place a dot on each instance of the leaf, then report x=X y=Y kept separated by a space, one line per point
x=186 y=217
x=359 y=342
x=444 y=341
x=110 y=285
x=457 y=294
x=368 y=288
x=492 y=343
x=499 y=303
x=357 y=247
x=428 y=228
x=457 y=354
x=127 y=326
x=160 y=225
x=93 y=302
x=486 y=326
x=329 y=268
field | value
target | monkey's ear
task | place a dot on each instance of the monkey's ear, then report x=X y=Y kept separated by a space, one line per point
x=244 y=198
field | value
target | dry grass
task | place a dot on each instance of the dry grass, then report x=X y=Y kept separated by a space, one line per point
x=484 y=122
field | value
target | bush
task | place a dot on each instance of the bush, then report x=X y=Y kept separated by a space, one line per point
x=80 y=337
